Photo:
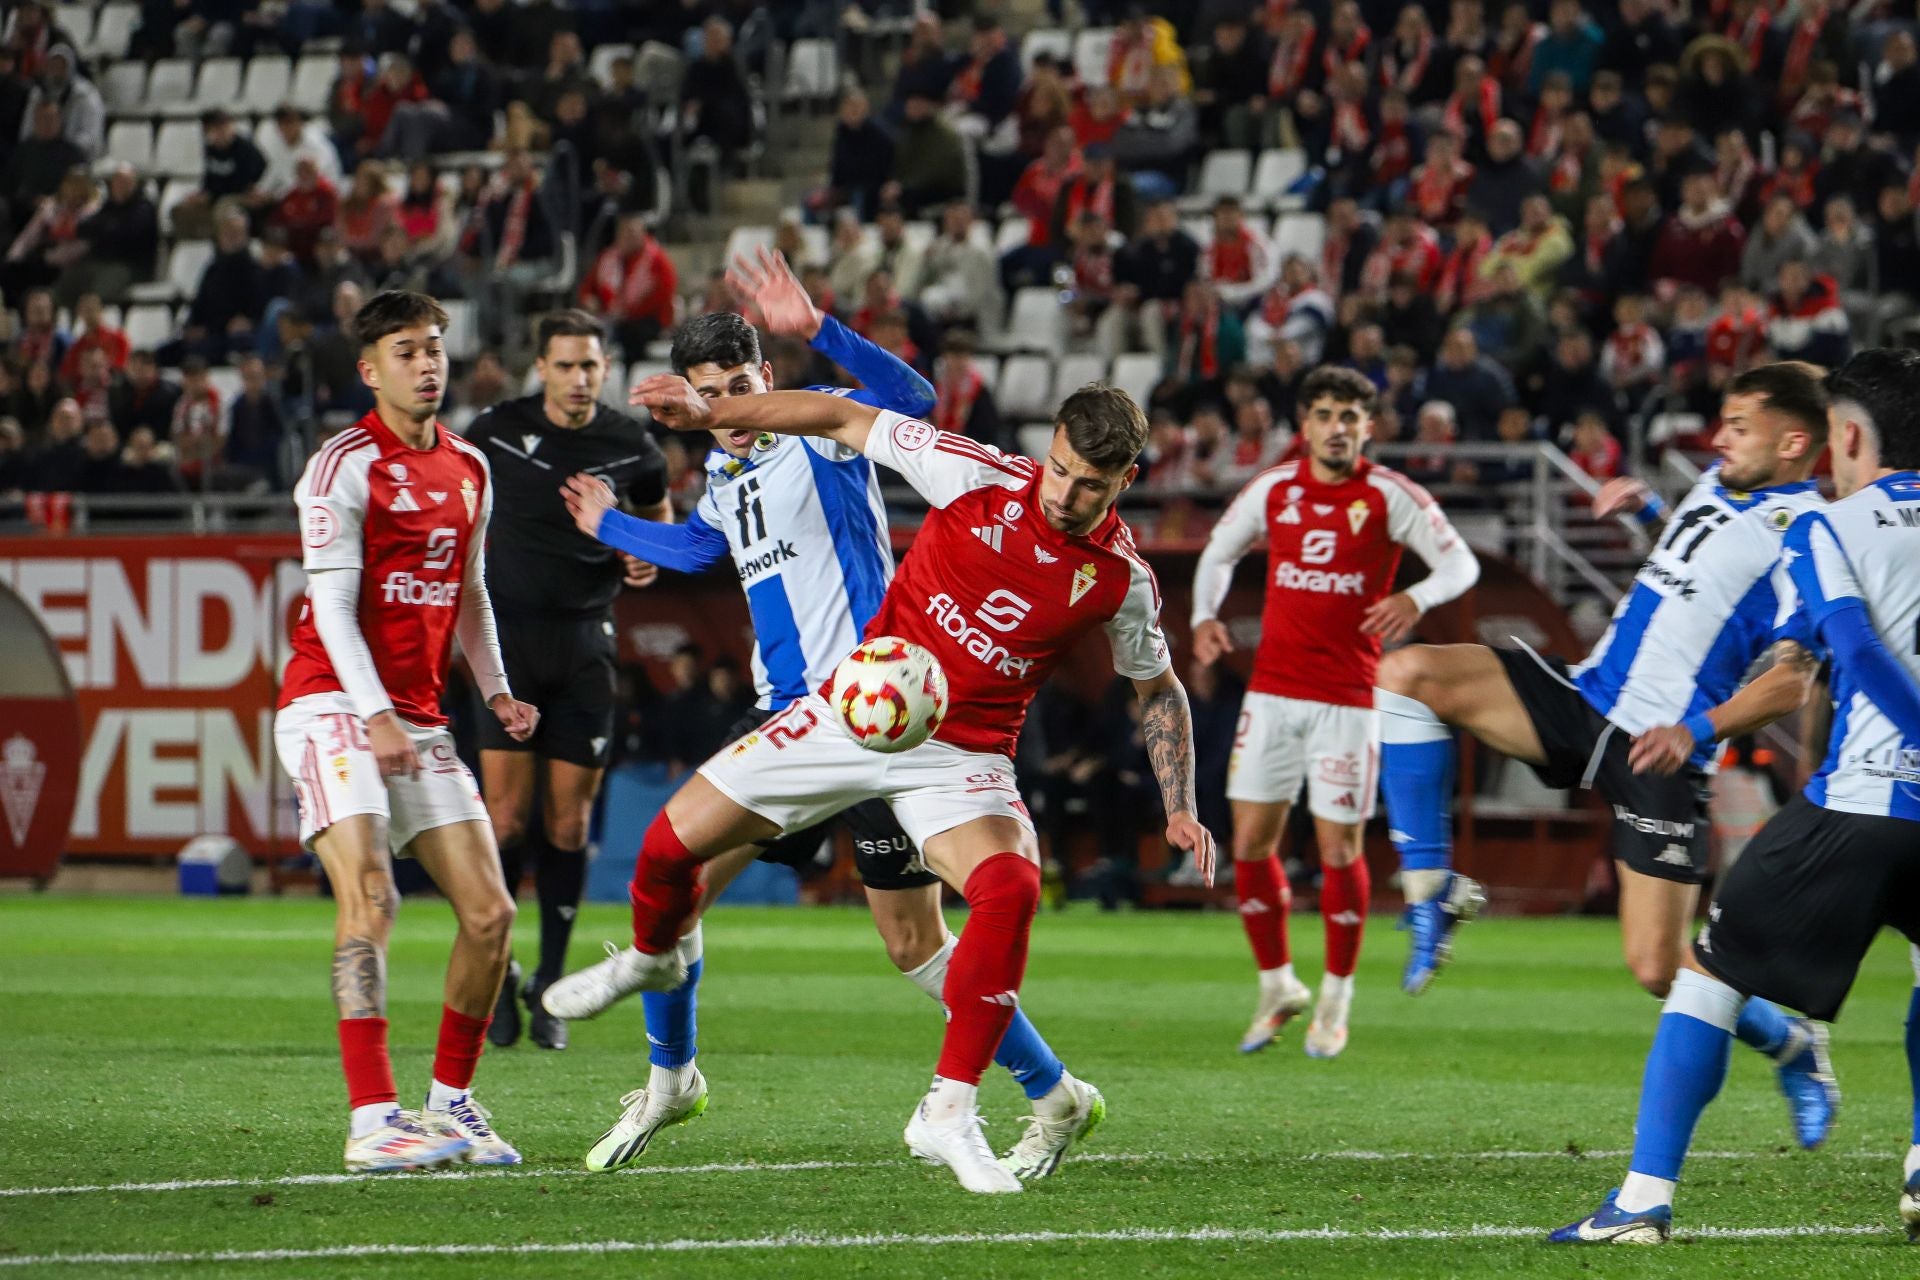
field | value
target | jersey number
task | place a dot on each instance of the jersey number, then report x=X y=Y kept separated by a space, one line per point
x=440 y=548
x=752 y=518
x=1700 y=522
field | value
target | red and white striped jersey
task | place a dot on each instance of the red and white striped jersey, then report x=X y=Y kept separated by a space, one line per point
x=997 y=594
x=1332 y=552
x=408 y=519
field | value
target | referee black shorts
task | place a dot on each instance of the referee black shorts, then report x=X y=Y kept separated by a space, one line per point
x=564 y=667
x=1660 y=823
x=1799 y=909
x=882 y=853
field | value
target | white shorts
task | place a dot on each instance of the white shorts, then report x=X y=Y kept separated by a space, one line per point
x=323 y=747
x=1283 y=742
x=801 y=767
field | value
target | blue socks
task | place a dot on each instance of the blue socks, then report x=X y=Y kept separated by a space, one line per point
x=1684 y=1071
x=1764 y=1027
x=672 y=1015
x=1417 y=765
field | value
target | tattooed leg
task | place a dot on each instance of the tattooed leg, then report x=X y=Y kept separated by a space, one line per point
x=354 y=853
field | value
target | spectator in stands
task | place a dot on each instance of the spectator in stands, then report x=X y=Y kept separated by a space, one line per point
x=634 y=285
x=33 y=35
x=1089 y=288
x=1097 y=186
x=1781 y=236
x=1567 y=383
x=1476 y=387
x=39 y=162
x=99 y=471
x=145 y=399
x=346 y=100
x=963 y=402
x=256 y=433
x=1097 y=117
x=396 y=85
x=33 y=396
x=50 y=244
x=1571 y=45
x=1716 y=93
x=512 y=243
x=379 y=29
x=16 y=469
x=1641 y=37
x=146 y=466
x=1507 y=177
x=985 y=86
x=488 y=384
x=233 y=170
x=1155 y=146
x=1737 y=337
x=230 y=301
x=1472 y=111
x=929 y=160
x=1037 y=195
x=469 y=88
x=1045 y=104
x=1594 y=448
x=1233 y=76
x=1208 y=338
x=397 y=266
x=1386 y=170
x=60 y=462
x=1896 y=243
x=83 y=113
x=121 y=237
x=1436 y=428
x=1350 y=242
x=40 y=339
x=860 y=162
x=1509 y=325
x=1896 y=90
x=1634 y=359
x=1143 y=47
x=1701 y=243
x=308 y=211
x=1296 y=310
x=957 y=282
x=94 y=333
x=290 y=138
x=1239 y=261
x=367 y=211
x=1410 y=318
x=1151 y=275
x=1845 y=252
x=92 y=383
x=926 y=69
x=1534 y=249
x=1411 y=61
x=1850 y=165
x=715 y=103
x=565 y=70
x=1808 y=321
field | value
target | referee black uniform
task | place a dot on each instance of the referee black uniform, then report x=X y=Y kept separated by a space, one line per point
x=553 y=589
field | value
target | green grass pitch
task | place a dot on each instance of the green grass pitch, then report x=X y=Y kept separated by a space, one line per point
x=154 y=1041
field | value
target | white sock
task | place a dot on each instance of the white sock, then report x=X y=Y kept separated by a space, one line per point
x=931 y=977
x=1913 y=1159
x=1641 y=1192
x=671 y=1079
x=1058 y=1101
x=364 y=1120
x=441 y=1096
x=949 y=1101
x=691 y=947
x=1281 y=977
x=1423 y=886
x=1335 y=988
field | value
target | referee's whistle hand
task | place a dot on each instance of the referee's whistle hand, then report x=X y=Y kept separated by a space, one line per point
x=518 y=718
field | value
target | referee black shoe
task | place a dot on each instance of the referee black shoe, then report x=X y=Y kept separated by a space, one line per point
x=504 y=1031
x=543 y=1028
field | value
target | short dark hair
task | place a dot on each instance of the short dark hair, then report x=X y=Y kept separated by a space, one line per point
x=570 y=323
x=720 y=337
x=1884 y=383
x=1104 y=426
x=1345 y=386
x=1792 y=387
x=392 y=310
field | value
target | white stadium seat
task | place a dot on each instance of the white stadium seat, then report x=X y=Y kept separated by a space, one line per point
x=176 y=149
x=1225 y=173
x=1090 y=50
x=1036 y=439
x=1034 y=323
x=744 y=240
x=312 y=82
x=463 y=329
x=77 y=21
x=600 y=65
x=813 y=71
x=1075 y=372
x=176 y=190
x=1278 y=170
x=170 y=85
x=1201 y=229
x=1301 y=233
x=225 y=382
x=1045 y=40
x=1013 y=233
x=218 y=86
x=113 y=31
x=1137 y=375
x=131 y=141
x=269 y=78
x=148 y=326
x=1026 y=387
x=988 y=367
x=918 y=235
x=124 y=87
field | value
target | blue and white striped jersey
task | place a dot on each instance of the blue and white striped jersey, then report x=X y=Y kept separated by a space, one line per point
x=1855 y=590
x=802 y=519
x=1702 y=608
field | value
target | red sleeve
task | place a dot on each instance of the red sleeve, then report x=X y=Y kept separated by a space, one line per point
x=666 y=285
x=70 y=364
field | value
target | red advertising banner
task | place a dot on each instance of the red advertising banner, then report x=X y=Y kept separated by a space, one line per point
x=174 y=648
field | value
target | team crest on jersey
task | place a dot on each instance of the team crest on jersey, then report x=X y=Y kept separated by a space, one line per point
x=1357 y=514
x=341 y=768
x=470 y=494
x=745 y=745
x=398 y=470
x=320 y=527
x=1082 y=583
x=765 y=442
x=1779 y=520
x=1011 y=512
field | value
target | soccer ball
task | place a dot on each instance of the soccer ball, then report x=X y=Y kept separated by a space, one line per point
x=891 y=694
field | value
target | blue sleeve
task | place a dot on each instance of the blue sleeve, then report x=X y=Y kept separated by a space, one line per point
x=1858 y=651
x=889 y=381
x=684 y=548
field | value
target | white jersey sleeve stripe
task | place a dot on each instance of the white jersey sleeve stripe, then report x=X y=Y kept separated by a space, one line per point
x=1240 y=528
x=941 y=467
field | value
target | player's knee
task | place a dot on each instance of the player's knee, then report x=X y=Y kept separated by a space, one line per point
x=567 y=830
x=1654 y=972
x=1005 y=883
x=910 y=945
x=490 y=924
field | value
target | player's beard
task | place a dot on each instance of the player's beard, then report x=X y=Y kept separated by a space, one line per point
x=1339 y=464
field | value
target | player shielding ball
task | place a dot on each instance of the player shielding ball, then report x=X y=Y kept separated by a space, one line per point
x=1796 y=914
x=1016 y=561
x=393 y=521
x=1334 y=525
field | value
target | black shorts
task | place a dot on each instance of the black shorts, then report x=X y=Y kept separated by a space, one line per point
x=882 y=853
x=1797 y=912
x=1660 y=823
x=564 y=667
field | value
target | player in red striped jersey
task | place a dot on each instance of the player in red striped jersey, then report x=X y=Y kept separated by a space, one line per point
x=1334 y=525
x=393 y=519
x=1016 y=561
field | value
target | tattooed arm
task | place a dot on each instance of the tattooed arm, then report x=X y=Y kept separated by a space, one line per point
x=1166 y=724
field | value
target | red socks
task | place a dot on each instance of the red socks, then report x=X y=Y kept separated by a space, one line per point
x=665 y=890
x=461 y=1039
x=1265 y=899
x=364 y=1060
x=983 y=976
x=1344 y=895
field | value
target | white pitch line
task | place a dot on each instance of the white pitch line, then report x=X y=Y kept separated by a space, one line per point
x=808 y=1240
x=808 y=1166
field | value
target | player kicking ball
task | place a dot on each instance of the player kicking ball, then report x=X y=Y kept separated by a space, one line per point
x=1660 y=685
x=1797 y=913
x=393 y=521
x=1016 y=561
x=1334 y=525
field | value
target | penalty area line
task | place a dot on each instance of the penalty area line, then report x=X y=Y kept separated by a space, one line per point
x=808 y=1240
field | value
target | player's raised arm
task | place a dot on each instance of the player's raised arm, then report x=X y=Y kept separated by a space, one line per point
x=675 y=404
x=685 y=548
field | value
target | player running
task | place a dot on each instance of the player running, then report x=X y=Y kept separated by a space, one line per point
x=553 y=594
x=1334 y=524
x=1798 y=911
x=998 y=612
x=804 y=525
x=1701 y=612
x=393 y=517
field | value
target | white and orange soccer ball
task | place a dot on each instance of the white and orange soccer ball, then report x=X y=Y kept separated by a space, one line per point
x=891 y=694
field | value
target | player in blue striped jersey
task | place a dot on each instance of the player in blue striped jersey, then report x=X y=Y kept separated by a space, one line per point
x=1798 y=911
x=803 y=522
x=1700 y=613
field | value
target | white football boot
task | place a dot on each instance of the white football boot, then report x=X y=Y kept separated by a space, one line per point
x=1283 y=998
x=465 y=1118
x=1327 y=1034
x=1039 y=1151
x=593 y=990
x=648 y=1111
x=962 y=1147
x=403 y=1143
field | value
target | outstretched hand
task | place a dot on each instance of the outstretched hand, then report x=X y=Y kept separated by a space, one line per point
x=1620 y=496
x=672 y=401
x=1185 y=832
x=773 y=295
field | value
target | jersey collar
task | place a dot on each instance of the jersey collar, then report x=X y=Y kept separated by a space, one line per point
x=1741 y=499
x=722 y=466
x=1902 y=486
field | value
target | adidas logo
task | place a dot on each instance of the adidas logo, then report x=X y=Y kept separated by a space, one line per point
x=1044 y=556
x=1007 y=998
x=599 y=744
x=1349 y=918
x=990 y=534
x=403 y=501
x=1254 y=907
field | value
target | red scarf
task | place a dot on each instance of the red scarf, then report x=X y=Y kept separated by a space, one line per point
x=642 y=277
x=954 y=407
x=1230 y=259
x=1543 y=139
x=1460 y=275
x=1797 y=183
x=1596 y=246
x=1287 y=73
x=966 y=85
x=1200 y=341
x=1393 y=154
x=1751 y=35
x=1404 y=69
x=1438 y=194
x=1511 y=67
x=1735 y=178
x=1732 y=340
x=1130 y=65
x=1815 y=114
x=1333 y=262
x=1351 y=133
x=1082 y=199
x=1799 y=56
x=1333 y=59
x=1629 y=345
x=513 y=236
x=1454 y=119
x=1093 y=273
x=1419 y=258
x=1568 y=170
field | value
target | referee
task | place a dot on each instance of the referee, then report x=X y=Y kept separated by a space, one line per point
x=553 y=590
